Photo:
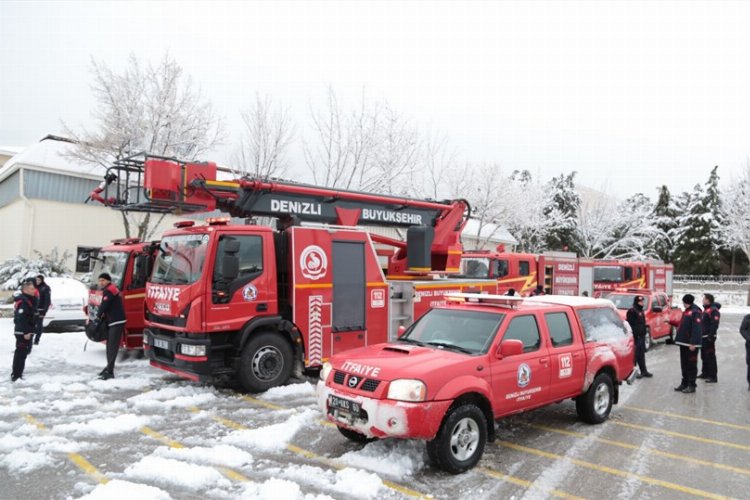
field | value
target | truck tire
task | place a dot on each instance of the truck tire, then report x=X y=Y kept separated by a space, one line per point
x=595 y=404
x=648 y=340
x=355 y=436
x=460 y=442
x=672 y=333
x=266 y=361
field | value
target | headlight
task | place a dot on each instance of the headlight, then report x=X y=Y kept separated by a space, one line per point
x=325 y=371
x=407 y=390
x=193 y=350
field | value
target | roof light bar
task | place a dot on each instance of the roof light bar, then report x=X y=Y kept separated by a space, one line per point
x=485 y=299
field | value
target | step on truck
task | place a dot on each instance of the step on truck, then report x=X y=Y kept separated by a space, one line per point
x=256 y=304
x=129 y=261
x=460 y=367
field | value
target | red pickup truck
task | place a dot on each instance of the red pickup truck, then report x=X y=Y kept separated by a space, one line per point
x=660 y=315
x=460 y=367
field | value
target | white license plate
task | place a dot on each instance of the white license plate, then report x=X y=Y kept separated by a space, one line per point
x=161 y=344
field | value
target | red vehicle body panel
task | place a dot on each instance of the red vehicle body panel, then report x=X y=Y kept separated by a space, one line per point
x=659 y=323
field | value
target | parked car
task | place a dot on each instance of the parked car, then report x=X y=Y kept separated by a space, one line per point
x=69 y=296
x=660 y=315
x=460 y=367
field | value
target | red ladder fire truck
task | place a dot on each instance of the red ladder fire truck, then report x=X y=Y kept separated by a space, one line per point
x=249 y=302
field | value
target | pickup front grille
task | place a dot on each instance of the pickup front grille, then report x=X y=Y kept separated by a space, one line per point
x=338 y=377
x=370 y=385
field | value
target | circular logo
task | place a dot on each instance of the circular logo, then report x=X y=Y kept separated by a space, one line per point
x=353 y=381
x=249 y=293
x=524 y=375
x=313 y=262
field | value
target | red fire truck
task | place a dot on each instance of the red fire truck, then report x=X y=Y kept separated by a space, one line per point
x=256 y=304
x=563 y=273
x=611 y=275
x=129 y=261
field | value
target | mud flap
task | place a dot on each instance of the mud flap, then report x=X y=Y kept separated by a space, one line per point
x=631 y=377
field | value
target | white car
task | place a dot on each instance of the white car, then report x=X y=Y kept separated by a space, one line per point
x=69 y=296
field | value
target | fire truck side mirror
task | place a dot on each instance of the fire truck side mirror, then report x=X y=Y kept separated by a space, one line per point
x=401 y=331
x=510 y=347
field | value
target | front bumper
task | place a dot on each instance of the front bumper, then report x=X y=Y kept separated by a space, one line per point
x=164 y=352
x=384 y=417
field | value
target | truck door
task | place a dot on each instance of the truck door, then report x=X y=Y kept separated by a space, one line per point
x=134 y=294
x=349 y=296
x=567 y=360
x=252 y=293
x=521 y=382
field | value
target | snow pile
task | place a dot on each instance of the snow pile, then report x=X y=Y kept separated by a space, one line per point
x=228 y=456
x=172 y=397
x=272 y=437
x=24 y=461
x=348 y=481
x=292 y=390
x=358 y=483
x=126 y=489
x=168 y=472
x=278 y=489
x=394 y=457
x=103 y=426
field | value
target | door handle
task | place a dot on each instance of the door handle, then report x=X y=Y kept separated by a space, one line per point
x=544 y=361
x=576 y=354
x=262 y=307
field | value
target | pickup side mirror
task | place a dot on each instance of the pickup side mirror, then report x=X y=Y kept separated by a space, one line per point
x=510 y=347
x=401 y=331
x=657 y=309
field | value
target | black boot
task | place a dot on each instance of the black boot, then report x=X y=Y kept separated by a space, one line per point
x=689 y=389
x=648 y=374
x=701 y=376
x=106 y=375
x=680 y=388
x=711 y=380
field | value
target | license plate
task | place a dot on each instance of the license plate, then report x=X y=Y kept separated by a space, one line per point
x=161 y=344
x=336 y=403
x=69 y=308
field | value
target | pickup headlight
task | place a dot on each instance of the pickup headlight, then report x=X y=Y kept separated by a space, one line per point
x=327 y=367
x=407 y=390
x=193 y=350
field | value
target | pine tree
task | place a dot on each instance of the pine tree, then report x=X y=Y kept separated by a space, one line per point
x=695 y=250
x=564 y=202
x=712 y=201
x=665 y=215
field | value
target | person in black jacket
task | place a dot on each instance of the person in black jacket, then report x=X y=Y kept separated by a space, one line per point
x=711 y=318
x=111 y=311
x=745 y=332
x=24 y=326
x=636 y=318
x=45 y=300
x=689 y=337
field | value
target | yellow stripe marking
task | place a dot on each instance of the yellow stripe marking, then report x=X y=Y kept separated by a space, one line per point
x=223 y=183
x=229 y=423
x=620 y=444
x=304 y=286
x=612 y=471
x=232 y=474
x=685 y=417
x=263 y=403
x=376 y=283
x=161 y=437
x=77 y=459
x=683 y=436
x=136 y=296
x=525 y=484
x=455 y=252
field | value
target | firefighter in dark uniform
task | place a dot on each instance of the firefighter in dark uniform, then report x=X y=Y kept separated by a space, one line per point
x=636 y=318
x=711 y=318
x=45 y=300
x=112 y=312
x=689 y=338
x=745 y=332
x=24 y=322
x=539 y=290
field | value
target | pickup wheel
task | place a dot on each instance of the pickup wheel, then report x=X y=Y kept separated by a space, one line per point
x=460 y=441
x=265 y=362
x=594 y=406
x=648 y=340
x=355 y=436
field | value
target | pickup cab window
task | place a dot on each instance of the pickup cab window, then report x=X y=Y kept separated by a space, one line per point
x=601 y=324
x=525 y=329
x=559 y=329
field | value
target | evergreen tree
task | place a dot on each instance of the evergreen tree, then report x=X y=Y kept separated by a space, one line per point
x=694 y=239
x=712 y=202
x=563 y=205
x=665 y=215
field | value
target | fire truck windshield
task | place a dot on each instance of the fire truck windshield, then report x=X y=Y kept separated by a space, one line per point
x=113 y=263
x=475 y=267
x=180 y=259
x=471 y=332
x=625 y=301
x=608 y=273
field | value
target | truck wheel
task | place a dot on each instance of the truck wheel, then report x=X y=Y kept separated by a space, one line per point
x=648 y=340
x=460 y=441
x=672 y=332
x=594 y=406
x=355 y=436
x=266 y=362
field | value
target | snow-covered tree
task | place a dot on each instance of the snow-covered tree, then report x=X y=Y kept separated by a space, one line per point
x=736 y=229
x=695 y=251
x=267 y=134
x=151 y=108
x=665 y=215
x=566 y=201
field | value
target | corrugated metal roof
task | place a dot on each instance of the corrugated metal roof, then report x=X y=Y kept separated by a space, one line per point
x=56 y=187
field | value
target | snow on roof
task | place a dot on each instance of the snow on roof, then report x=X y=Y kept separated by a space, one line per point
x=493 y=232
x=51 y=154
x=11 y=150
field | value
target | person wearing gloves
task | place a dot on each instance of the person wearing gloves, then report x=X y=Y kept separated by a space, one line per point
x=24 y=322
x=112 y=312
x=689 y=338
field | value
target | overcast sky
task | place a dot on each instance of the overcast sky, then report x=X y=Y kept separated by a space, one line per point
x=631 y=95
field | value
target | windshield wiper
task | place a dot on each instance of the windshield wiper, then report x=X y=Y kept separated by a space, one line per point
x=410 y=341
x=451 y=346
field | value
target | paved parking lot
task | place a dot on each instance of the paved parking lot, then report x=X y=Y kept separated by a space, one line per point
x=64 y=434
